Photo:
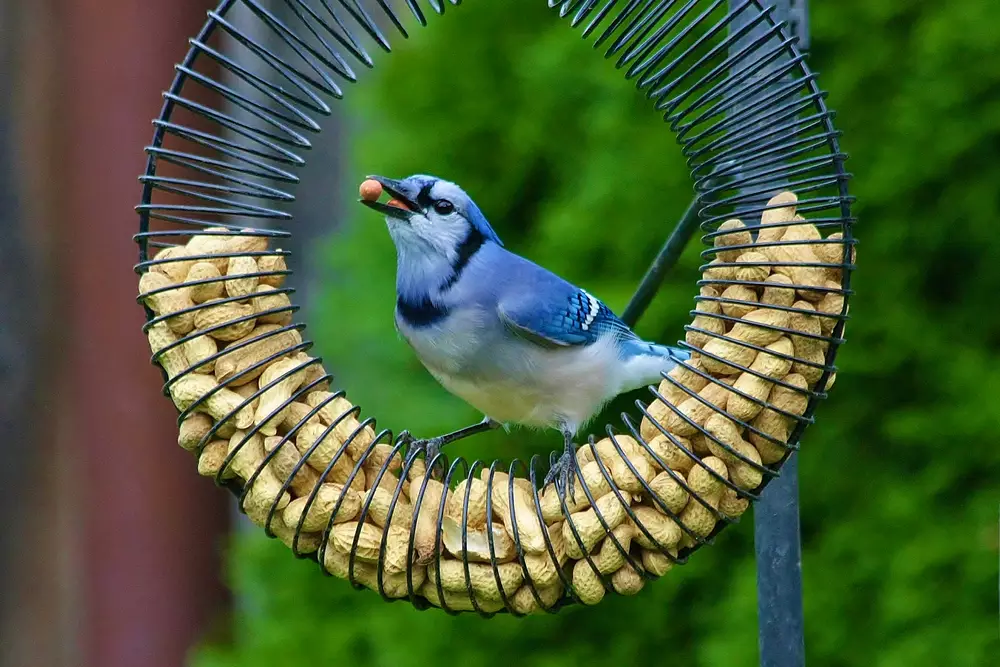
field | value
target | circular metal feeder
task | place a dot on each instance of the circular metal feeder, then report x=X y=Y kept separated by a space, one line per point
x=748 y=115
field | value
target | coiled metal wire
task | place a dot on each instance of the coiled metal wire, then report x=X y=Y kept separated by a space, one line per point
x=737 y=93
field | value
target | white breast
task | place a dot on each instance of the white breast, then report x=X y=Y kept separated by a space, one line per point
x=515 y=381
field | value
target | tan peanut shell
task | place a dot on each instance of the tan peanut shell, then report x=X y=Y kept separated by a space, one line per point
x=365 y=542
x=378 y=458
x=589 y=477
x=732 y=504
x=809 y=365
x=804 y=321
x=477 y=543
x=610 y=553
x=225 y=320
x=301 y=543
x=658 y=411
x=542 y=568
x=779 y=291
x=737 y=236
x=176 y=269
x=627 y=581
x=212 y=457
x=268 y=263
x=315 y=515
x=631 y=473
x=524 y=602
x=219 y=401
x=193 y=430
x=284 y=462
x=745 y=475
x=589 y=527
x=667 y=450
x=523 y=512
x=773 y=222
x=314 y=372
x=481 y=575
x=756 y=387
x=279 y=381
x=715 y=271
x=241 y=283
x=458 y=601
x=221 y=240
x=792 y=258
x=776 y=425
x=206 y=291
x=802 y=231
x=173 y=361
x=263 y=497
x=752 y=267
x=475 y=511
x=265 y=299
x=297 y=416
x=687 y=375
x=381 y=505
x=247 y=354
x=696 y=410
x=832 y=304
x=738 y=293
x=167 y=302
x=320 y=445
x=393 y=585
x=657 y=563
x=706 y=322
x=426 y=510
x=670 y=491
x=199 y=351
x=338 y=410
x=587 y=583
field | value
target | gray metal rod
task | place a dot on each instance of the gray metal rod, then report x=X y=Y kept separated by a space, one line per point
x=777 y=540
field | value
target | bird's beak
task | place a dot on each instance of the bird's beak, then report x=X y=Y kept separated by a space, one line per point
x=396 y=190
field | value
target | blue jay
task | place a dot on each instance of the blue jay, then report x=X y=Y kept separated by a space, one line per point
x=512 y=339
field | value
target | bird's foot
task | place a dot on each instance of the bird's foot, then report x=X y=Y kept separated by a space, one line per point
x=430 y=447
x=562 y=472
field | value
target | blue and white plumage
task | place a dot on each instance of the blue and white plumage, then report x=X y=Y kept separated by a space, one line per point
x=512 y=339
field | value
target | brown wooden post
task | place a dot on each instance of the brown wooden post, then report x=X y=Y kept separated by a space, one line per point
x=150 y=529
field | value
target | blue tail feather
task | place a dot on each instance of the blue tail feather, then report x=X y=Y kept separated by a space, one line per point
x=641 y=348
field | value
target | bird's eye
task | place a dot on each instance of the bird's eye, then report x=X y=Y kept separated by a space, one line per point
x=443 y=206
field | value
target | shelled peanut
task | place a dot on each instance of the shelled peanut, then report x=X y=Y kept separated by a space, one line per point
x=261 y=412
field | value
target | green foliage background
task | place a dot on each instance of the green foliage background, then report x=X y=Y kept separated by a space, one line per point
x=900 y=477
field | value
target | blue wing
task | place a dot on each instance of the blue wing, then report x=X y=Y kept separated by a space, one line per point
x=561 y=318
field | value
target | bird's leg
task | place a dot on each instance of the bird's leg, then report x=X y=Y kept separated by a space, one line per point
x=432 y=446
x=562 y=471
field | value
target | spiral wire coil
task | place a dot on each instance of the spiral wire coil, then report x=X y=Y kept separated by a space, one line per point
x=736 y=93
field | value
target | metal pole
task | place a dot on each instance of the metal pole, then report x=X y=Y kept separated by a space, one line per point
x=776 y=516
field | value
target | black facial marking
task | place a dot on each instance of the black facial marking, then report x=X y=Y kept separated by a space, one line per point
x=424 y=196
x=420 y=313
x=469 y=247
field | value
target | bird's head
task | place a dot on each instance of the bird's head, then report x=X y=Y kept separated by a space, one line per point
x=431 y=216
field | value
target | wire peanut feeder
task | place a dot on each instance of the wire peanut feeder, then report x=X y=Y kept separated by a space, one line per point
x=262 y=417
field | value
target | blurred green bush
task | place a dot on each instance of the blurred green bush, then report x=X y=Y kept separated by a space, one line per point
x=901 y=475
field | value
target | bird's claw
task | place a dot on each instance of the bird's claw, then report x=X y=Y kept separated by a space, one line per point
x=561 y=473
x=430 y=447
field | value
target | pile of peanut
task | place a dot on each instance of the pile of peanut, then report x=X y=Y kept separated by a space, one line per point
x=258 y=408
